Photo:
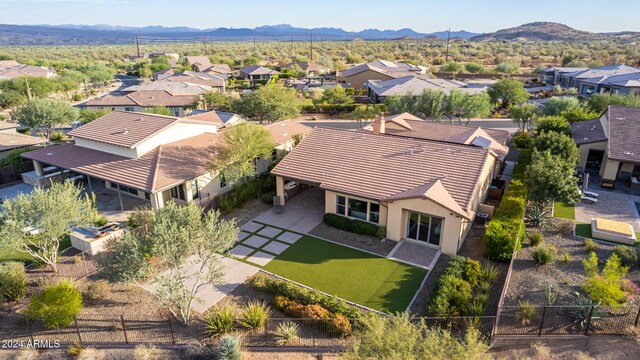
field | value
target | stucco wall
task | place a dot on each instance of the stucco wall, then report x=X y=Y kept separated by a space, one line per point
x=330 y=205
x=584 y=151
x=108 y=148
x=359 y=81
x=176 y=132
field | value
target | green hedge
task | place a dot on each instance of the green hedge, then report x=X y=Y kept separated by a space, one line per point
x=453 y=292
x=352 y=225
x=502 y=231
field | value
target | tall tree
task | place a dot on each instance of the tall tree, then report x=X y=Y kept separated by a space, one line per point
x=460 y=105
x=50 y=214
x=550 y=178
x=185 y=244
x=239 y=148
x=557 y=105
x=558 y=144
x=600 y=102
x=216 y=100
x=268 y=103
x=524 y=116
x=429 y=104
x=508 y=92
x=44 y=115
x=452 y=68
x=336 y=96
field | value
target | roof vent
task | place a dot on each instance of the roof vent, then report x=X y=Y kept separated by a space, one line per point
x=628 y=153
x=125 y=131
x=324 y=173
x=410 y=152
x=49 y=154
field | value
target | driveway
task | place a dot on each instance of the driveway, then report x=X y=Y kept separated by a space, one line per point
x=611 y=205
x=302 y=212
x=12 y=191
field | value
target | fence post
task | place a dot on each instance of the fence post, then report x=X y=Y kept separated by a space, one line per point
x=173 y=337
x=544 y=313
x=30 y=328
x=84 y=262
x=586 y=328
x=75 y=319
x=124 y=329
x=637 y=318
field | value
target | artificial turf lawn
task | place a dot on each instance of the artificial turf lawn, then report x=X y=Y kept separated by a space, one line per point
x=16 y=255
x=353 y=275
x=584 y=230
x=564 y=211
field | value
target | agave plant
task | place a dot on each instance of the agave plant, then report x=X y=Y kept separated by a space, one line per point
x=583 y=310
x=537 y=215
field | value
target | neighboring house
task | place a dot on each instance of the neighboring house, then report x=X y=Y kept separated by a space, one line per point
x=617 y=78
x=359 y=76
x=310 y=68
x=140 y=100
x=11 y=140
x=610 y=145
x=219 y=118
x=422 y=190
x=379 y=90
x=163 y=74
x=9 y=70
x=147 y=156
x=257 y=72
x=217 y=82
x=553 y=75
x=171 y=85
x=203 y=64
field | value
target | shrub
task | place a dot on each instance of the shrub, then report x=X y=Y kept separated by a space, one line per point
x=280 y=302
x=537 y=216
x=229 y=348
x=499 y=241
x=522 y=140
x=605 y=288
x=340 y=325
x=143 y=352
x=351 y=225
x=254 y=314
x=75 y=349
x=57 y=136
x=526 y=312
x=100 y=220
x=535 y=238
x=13 y=280
x=476 y=308
x=490 y=273
x=565 y=256
x=267 y=198
x=590 y=245
x=544 y=254
x=57 y=305
x=286 y=333
x=484 y=287
x=451 y=297
x=628 y=255
x=220 y=320
x=472 y=271
x=310 y=311
x=97 y=290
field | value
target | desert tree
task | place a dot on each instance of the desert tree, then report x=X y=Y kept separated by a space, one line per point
x=268 y=103
x=159 y=110
x=460 y=105
x=524 y=116
x=550 y=178
x=508 y=92
x=44 y=115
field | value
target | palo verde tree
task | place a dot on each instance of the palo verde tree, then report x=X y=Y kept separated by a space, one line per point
x=268 y=103
x=460 y=105
x=524 y=116
x=44 y=115
x=508 y=92
x=452 y=68
x=429 y=104
x=185 y=244
x=49 y=214
x=239 y=148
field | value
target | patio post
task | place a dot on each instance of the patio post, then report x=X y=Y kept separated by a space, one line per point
x=89 y=183
x=280 y=190
x=120 y=198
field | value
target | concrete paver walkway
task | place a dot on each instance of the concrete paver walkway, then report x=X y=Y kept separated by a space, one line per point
x=611 y=205
x=302 y=213
x=415 y=254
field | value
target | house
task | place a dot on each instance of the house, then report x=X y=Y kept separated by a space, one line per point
x=420 y=190
x=139 y=100
x=257 y=72
x=552 y=75
x=172 y=85
x=203 y=64
x=10 y=69
x=310 y=68
x=617 y=78
x=610 y=145
x=10 y=139
x=154 y=158
x=359 y=76
x=163 y=74
x=216 y=82
x=219 y=118
x=379 y=90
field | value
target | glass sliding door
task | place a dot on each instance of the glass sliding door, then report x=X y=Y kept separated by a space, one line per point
x=424 y=227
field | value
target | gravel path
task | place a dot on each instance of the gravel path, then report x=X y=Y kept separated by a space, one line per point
x=368 y=243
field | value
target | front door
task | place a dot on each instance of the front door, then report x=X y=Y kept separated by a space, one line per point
x=423 y=227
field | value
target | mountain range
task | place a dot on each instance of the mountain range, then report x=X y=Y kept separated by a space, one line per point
x=551 y=31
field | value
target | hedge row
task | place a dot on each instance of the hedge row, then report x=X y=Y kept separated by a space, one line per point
x=502 y=230
x=335 y=323
x=453 y=292
x=352 y=225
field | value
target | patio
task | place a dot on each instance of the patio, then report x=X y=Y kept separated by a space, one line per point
x=302 y=212
x=611 y=205
x=351 y=274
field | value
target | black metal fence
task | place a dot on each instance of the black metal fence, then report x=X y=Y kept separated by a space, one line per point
x=567 y=320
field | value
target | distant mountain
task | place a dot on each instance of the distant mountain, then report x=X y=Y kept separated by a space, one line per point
x=550 y=31
x=69 y=34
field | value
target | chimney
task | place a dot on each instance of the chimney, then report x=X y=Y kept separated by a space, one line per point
x=379 y=126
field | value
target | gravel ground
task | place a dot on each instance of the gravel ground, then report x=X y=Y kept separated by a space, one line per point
x=368 y=243
x=248 y=211
x=528 y=280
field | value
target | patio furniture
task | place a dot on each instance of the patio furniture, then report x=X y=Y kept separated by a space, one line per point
x=591 y=194
x=589 y=199
x=634 y=182
x=611 y=230
x=607 y=183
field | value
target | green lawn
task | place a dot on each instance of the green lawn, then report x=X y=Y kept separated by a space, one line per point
x=354 y=275
x=16 y=255
x=564 y=211
x=584 y=230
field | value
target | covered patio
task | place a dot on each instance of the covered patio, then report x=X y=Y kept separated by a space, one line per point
x=303 y=211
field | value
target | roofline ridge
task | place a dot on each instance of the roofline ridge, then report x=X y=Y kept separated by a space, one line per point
x=156 y=168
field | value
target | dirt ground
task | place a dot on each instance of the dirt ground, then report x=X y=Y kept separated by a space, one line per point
x=248 y=211
x=367 y=243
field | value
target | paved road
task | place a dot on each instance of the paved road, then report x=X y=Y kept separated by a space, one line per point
x=125 y=82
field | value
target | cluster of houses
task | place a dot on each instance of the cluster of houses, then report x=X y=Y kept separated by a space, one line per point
x=615 y=79
x=11 y=69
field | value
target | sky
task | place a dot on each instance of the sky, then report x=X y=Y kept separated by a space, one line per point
x=354 y=15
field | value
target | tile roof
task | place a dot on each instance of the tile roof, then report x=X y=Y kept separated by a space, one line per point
x=257 y=70
x=283 y=131
x=10 y=141
x=587 y=132
x=217 y=117
x=25 y=70
x=624 y=133
x=382 y=167
x=124 y=128
x=174 y=85
x=392 y=69
x=416 y=85
x=145 y=98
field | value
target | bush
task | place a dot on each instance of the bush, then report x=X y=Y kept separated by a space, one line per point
x=606 y=287
x=287 y=333
x=57 y=136
x=565 y=257
x=451 y=297
x=544 y=254
x=476 y=308
x=100 y=220
x=351 y=225
x=229 y=348
x=57 y=306
x=220 y=320
x=78 y=97
x=310 y=311
x=628 y=255
x=340 y=325
x=254 y=314
x=526 y=312
x=267 y=198
x=523 y=140
x=590 y=245
x=535 y=238
x=472 y=271
x=490 y=273
x=13 y=280
x=97 y=290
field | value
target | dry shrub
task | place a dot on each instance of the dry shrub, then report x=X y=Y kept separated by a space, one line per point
x=142 y=352
x=97 y=291
x=91 y=354
x=581 y=355
x=27 y=353
x=540 y=350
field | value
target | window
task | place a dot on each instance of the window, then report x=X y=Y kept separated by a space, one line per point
x=175 y=110
x=177 y=192
x=130 y=109
x=223 y=180
x=374 y=213
x=128 y=190
x=340 y=204
x=636 y=171
x=147 y=196
x=274 y=155
x=195 y=193
x=424 y=227
x=358 y=209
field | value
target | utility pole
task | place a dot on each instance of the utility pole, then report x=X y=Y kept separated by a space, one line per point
x=254 y=44
x=138 y=45
x=311 y=45
x=448 y=40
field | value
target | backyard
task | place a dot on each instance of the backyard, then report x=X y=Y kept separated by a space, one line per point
x=354 y=275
